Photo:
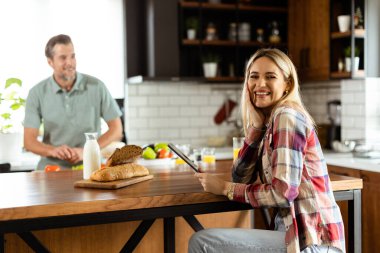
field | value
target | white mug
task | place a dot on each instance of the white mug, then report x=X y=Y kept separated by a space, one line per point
x=344 y=22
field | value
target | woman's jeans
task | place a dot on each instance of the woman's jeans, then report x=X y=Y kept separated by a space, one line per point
x=239 y=240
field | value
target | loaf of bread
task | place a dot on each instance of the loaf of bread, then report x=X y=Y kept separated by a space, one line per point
x=126 y=154
x=119 y=172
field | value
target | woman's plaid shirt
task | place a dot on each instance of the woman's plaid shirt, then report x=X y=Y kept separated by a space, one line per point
x=295 y=179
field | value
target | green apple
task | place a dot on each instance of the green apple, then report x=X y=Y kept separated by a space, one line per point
x=159 y=146
x=149 y=154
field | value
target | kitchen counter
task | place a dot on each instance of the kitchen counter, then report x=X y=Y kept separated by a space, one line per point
x=349 y=161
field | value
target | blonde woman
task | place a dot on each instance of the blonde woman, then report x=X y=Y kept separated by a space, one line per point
x=282 y=148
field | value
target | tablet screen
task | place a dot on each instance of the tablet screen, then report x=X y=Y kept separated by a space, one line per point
x=183 y=156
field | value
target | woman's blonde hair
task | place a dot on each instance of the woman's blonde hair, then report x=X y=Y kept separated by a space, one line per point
x=291 y=98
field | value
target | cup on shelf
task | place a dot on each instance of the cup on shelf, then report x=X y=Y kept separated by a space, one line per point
x=237 y=143
x=210 y=69
x=344 y=22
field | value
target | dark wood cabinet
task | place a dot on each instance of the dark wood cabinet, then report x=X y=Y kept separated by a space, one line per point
x=309 y=38
x=226 y=20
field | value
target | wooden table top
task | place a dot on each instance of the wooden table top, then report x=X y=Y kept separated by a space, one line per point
x=40 y=194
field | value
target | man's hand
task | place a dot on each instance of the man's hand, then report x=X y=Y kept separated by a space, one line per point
x=77 y=157
x=64 y=152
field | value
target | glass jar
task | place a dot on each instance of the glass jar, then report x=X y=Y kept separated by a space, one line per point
x=211 y=32
x=244 y=32
x=275 y=33
x=232 y=33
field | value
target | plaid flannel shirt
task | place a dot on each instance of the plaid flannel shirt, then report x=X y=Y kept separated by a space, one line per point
x=295 y=180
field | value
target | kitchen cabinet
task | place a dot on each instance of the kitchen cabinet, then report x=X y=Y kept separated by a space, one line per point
x=371 y=215
x=347 y=47
x=343 y=205
x=229 y=31
x=370 y=205
x=309 y=38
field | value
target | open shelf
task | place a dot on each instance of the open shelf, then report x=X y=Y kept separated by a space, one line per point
x=358 y=33
x=343 y=74
x=225 y=79
x=220 y=6
x=231 y=43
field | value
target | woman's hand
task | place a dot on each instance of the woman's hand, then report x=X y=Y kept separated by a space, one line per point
x=255 y=117
x=212 y=183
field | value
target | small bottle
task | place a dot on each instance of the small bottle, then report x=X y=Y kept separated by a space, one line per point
x=211 y=33
x=91 y=155
x=275 y=33
x=260 y=34
x=340 y=65
x=232 y=32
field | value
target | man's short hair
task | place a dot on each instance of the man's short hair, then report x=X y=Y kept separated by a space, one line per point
x=58 y=39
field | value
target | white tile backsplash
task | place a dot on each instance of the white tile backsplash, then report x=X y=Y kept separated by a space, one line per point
x=183 y=112
x=179 y=112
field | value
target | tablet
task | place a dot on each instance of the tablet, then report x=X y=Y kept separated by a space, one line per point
x=183 y=156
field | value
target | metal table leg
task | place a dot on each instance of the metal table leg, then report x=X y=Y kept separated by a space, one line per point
x=2 y=246
x=169 y=235
x=193 y=222
x=355 y=224
x=137 y=235
x=33 y=242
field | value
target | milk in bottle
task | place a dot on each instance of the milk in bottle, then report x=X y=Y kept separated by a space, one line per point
x=91 y=155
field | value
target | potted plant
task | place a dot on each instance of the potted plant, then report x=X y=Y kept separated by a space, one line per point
x=11 y=112
x=210 y=64
x=191 y=27
x=347 y=54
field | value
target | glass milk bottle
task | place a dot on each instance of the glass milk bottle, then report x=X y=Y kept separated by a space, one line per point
x=91 y=155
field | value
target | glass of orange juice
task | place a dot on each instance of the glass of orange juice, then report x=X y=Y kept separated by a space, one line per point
x=237 y=143
x=208 y=157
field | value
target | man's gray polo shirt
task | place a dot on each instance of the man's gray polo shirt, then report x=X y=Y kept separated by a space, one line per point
x=66 y=116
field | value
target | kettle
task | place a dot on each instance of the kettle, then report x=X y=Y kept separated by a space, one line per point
x=334 y=110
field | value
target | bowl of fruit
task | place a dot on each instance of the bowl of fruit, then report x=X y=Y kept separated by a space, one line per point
x=156 y=154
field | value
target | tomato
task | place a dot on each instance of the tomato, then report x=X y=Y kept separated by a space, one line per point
x=50 y=168
x=163 y=153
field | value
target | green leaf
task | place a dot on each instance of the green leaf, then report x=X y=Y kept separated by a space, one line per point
x=7 y=126
x=15 y=106
x=11 y=81
x=6 y=116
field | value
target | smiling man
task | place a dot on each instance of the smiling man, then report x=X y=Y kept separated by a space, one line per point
x=68 y=104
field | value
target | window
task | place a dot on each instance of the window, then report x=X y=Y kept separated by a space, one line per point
x=95 y=26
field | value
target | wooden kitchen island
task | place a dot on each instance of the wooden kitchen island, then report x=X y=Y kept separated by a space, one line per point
x=167 y=208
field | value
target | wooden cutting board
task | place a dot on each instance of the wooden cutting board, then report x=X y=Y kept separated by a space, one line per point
x=113 y=184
